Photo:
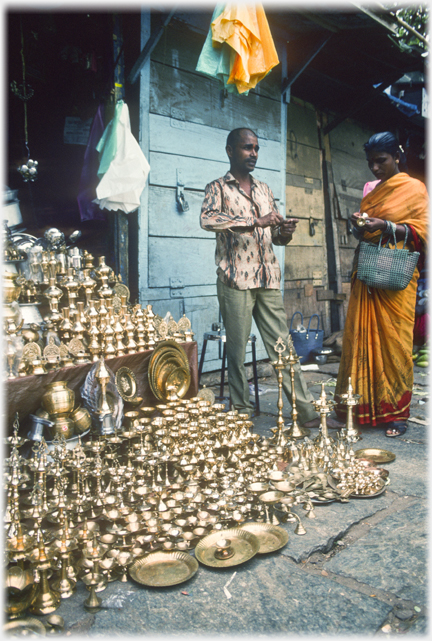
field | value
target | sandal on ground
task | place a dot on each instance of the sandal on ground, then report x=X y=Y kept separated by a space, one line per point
x=395 y=428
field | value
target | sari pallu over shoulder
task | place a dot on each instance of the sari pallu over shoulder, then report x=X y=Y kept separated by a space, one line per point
x=401 y=200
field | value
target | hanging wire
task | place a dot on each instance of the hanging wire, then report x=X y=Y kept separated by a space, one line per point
x=24 y=91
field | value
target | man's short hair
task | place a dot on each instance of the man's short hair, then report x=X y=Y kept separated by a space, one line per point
x=235 y=135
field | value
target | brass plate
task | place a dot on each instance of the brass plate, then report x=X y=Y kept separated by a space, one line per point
x=180 y=378
x=333 y=483
x=161 y=569
x=28 y=626
x=376 y=455
x=168 y=356
x=120 y=289
x=244 y=543
x=270 y=537
x=126 y=383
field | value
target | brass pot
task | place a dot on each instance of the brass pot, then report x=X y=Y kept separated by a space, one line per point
x=82 y=419
x=11 y=289
x=58 y=399
x=63 y=426
x=21 y=591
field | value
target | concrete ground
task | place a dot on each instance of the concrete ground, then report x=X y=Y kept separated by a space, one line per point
x=360 y=569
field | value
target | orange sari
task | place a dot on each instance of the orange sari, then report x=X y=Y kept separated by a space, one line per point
x=378 y=334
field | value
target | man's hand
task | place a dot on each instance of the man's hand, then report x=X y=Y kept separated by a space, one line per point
x=271 y=220
x=288 y=226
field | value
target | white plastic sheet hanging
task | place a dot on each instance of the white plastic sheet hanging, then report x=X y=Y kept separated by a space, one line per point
x=121 y=186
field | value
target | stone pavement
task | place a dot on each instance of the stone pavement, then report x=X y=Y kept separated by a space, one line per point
x=361 y=568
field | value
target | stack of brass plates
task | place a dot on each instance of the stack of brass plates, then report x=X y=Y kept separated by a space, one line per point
x=270 y=537
x=169 y=366
x=243 y=544
x=161 y=569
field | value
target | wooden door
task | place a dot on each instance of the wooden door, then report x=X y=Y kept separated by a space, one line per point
x=306 y=254
x=188 y=123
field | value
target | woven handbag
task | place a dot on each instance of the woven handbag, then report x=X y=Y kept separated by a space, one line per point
x=385 y=268
x=306 y=341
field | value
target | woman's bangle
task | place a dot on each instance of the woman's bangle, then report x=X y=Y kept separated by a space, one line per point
x=390 y=227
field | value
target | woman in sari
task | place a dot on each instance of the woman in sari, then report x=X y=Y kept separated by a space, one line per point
x=378 y=334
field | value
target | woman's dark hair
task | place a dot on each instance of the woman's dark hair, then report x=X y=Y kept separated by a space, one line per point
x=385 y=141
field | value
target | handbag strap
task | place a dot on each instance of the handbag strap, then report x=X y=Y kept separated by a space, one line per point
x=393 y=228
x=318 y=326
x=292 y=318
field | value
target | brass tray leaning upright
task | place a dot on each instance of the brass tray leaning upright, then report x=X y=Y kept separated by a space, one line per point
x=126 y=383
x=169 y=366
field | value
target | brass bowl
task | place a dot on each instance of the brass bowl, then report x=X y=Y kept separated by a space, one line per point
x=58 y=398
x=134 y=402
x=147 y=411
x=82 y=419
x=21 y=591
x=63 y=426
x=131 y=420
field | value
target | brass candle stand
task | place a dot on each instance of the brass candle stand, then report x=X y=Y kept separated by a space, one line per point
x=295 y=431
x=350 y=400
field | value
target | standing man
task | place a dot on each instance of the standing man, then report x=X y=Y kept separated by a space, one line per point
x=243 y=213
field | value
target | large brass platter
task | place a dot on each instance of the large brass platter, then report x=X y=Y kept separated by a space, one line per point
x=244 y=543
x=161 y=569
x=126 y=383
x=270 y=537
x=376 y=455
x=179 y=377
x=167 y=357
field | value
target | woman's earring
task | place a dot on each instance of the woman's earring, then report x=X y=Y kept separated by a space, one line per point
x=397 y=162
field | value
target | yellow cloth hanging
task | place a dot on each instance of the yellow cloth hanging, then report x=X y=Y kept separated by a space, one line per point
x=246 y=30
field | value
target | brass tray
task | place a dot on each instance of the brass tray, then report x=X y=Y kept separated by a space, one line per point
x=167 y=357
x=161 y=569
x=270 y=537
x=168 y=346
x=28 y=626
x=179 y=377
x=126 y=383
x=333 y=483
x=376 y=455
x=244 y=543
